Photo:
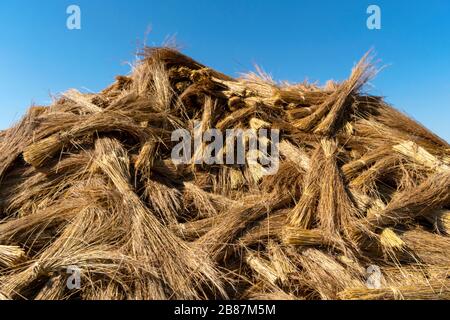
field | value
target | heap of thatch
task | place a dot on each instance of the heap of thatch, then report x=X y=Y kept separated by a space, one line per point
x=88 y=182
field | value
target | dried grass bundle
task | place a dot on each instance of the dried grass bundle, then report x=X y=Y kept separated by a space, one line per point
x=440 y=220
x=10 y=256
x=89 y=183
x=435 y=290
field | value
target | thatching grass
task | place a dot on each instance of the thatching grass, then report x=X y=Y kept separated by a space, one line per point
x=89 y=182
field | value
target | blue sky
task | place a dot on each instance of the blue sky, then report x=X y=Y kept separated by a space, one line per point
x=292 y=40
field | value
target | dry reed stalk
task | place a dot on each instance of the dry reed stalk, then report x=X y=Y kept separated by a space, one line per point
x=256 y=124
x=299 y=113
x=414 y=274
x=429 y=248
x=440 y=220
x=281 y=262
x=431 y=194
x=171 y=57
x=340 y=112
x=43 y=187
x=446 y=159
x=295 y=155
x=92 y=260
x=235 y=117
x=10 y=256
x=84 y=101
x=367 y=179
x=325 y=275
x=376 y=207
x=164 y=200
x=352 y=264
x=15 y=140
x=54 y=289
x=145 y=160
x=370 y=133
x=222 y=182
x=420 y=156
x=262 y=268
x=435 y=290
x=266 y=230
x=395 y=119
x=289 y=179
x=200 y=200
x=299 y=156
x=353 y=168
x=222 y=236
x=335 y=211
x=303 y=214
x=237 y=179
x=4 y=297
x=273 y=270
x=335 y=105
x=30 y=226
x=272 y=295
x=85 y=242
x=155 y=83
x=204 y=125
x=390 y=240
x=205 y=203
x=41 y=151
x=195 y=229
x=303 y=237
x=150 y=241
x=263 y=290
x=391 y=246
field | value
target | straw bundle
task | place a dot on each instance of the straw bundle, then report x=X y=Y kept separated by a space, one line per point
x=358 y=207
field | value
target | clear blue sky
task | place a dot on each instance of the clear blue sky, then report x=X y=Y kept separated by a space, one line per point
x=292 y=40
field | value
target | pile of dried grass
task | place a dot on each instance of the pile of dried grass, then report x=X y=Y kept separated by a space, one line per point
x=89 y=182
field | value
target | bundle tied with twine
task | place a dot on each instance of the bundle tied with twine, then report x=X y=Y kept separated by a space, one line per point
x=358 y=208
